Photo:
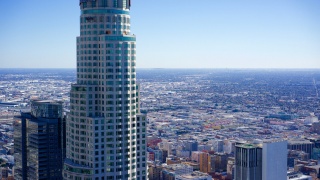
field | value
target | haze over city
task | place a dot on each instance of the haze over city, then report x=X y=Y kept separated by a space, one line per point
x=172 y=34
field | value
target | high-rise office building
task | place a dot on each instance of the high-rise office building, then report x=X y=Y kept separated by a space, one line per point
x=219 y=162
x=191 y=146
x=248 y=162
x=105 y=129
x=205 y=162
x=217 y=145
x=274 y=160
x=302 y=145
x=164 y=155
x=39 y=142
x=263 y=161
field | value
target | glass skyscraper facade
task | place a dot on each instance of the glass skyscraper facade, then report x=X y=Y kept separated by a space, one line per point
x=248 y=159
x=106 y=133
x=39 y=146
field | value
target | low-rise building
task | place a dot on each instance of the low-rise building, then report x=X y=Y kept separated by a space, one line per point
x=194 y=176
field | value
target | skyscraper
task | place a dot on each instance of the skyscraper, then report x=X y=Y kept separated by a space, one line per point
x=248 y=162
x=205 y=162
x=39 y=142
x=263 y=161
x=105 y=129
x=274 y=159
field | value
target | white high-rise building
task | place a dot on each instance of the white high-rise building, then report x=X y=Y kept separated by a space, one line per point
x=274 y=160
x=105 y=130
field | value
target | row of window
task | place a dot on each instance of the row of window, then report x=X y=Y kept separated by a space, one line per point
x=97 y=122
x=107 y=70
x=109 y=89
x=91 y=38
x=102 y=114
x=102 y=121
x=102 y=102
x=102 y=83
x=122 y=77
x=101 y=89
x=102 y=140
x=95 y=76
x=108 y=127
x=108 y=96
x=120 y=31
x=108 y=38
x=75 y=152
x=115 y=52
x=108 y=45
x=78 y=131
x=78 y=143
x=105 y=18
x=103 y=26
x=110 y=108
x=108 y=58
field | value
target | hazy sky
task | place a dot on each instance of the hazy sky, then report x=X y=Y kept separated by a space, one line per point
x=171 y=33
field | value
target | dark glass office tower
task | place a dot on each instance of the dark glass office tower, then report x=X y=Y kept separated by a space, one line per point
x=39 y=138
x=248 y=162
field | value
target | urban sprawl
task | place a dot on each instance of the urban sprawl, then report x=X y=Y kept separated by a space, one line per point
x=201 y=124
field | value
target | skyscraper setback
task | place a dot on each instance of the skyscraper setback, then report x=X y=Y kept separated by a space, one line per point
x=105 y=129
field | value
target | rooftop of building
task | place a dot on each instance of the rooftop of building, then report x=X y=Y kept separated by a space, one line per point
x=299 y=141
x=193 y=175
x=176 y=166
x=48 y=101
x=247 y=146
x=297 y=176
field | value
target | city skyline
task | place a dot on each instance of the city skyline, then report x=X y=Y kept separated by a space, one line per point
x=219 y=34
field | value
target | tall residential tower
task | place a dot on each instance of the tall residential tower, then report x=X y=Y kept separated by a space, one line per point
x=105 y=130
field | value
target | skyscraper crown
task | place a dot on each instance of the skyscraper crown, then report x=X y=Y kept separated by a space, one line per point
x=119 y=4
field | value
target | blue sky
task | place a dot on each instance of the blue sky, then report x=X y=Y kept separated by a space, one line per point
x=171 y=33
